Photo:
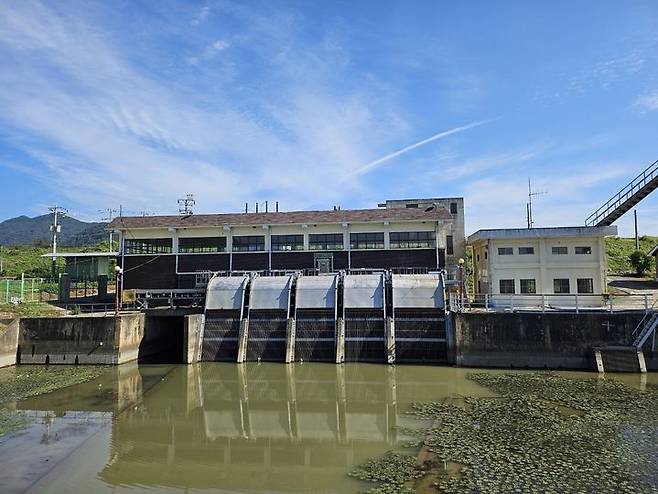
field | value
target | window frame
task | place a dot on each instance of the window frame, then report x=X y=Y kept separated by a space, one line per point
x=328 y=241
x=560 y=291
x=556 y=250
x=505 y=292
x=505 y=251
x=454 y=208
x=248 y=246
x=586 y=248
x=527 y=251
x=284 y=240
x=148 y=246
x=200 y=249
x=590 y=286
x=412 y=240
x=370 y=239
x=534 y=286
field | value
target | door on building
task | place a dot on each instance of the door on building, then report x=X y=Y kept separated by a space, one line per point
x=324 y=263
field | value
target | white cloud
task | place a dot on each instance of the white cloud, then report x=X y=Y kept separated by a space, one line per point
x=647 y=102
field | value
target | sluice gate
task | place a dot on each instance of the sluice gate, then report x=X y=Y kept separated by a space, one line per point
x=225 y=301
x=377 y=317
x=419 y=318
x=364 y=312
x=268 y=316
x=316 y=318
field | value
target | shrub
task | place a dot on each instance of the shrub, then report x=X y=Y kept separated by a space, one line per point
x=641 y=262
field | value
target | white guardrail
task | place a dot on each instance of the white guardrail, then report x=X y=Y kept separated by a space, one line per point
x=556 y=302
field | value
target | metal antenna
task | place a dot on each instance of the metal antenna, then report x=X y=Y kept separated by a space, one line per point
x=531 y=194
x=110 y=216
x=185 y=205
x=55 y=228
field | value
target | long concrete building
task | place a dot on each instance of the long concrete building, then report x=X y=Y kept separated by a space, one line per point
x=168 y=252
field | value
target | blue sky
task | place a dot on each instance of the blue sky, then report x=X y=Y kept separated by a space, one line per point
x=138 y=103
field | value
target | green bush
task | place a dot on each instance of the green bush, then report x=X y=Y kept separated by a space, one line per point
x=640 y=262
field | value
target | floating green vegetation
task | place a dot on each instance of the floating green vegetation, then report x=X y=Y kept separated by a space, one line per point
x=19 y=383
x=545 y=433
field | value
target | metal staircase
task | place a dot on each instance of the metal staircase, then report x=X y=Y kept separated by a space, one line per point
x=648 y=325
x=640 y=187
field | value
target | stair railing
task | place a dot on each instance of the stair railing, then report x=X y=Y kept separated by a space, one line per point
x=649 y=313
x=624 y=194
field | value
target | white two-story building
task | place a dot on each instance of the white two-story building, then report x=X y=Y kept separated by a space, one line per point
x=563 y=260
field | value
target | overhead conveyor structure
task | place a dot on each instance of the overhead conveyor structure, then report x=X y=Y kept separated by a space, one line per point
x=377 y=317
x=224 y=313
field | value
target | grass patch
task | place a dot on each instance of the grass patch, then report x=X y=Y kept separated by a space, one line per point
x=545 y=433
x=29 y=309
x=619 y=250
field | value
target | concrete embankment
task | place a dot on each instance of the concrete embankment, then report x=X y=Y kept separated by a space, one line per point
x=550 y=340
x=9 y=329
x=107 y=340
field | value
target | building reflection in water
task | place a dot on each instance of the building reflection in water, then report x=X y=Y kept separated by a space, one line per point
x=263 y=427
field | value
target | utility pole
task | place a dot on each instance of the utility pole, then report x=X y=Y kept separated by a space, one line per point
x=185 y=205
x=531 y=194
x=55 y=228
x=2 y=261
x=637 y=239
x=110 y=216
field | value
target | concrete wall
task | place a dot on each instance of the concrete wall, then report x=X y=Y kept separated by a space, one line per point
x=80 y=339
x=8 y=341
x=536 y=340
x=192 y=335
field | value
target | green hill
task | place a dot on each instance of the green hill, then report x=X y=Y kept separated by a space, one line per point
x=619 y=249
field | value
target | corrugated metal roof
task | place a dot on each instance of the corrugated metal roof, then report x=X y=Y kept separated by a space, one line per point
x=286 y=218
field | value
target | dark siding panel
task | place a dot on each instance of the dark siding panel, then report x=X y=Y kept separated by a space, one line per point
x=203 y=262
x=340 y=259
x=413 y=258
x=149 y=272
x=254 y=261
x=292 y=260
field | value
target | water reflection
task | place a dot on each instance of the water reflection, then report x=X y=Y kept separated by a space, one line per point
x=221 y=427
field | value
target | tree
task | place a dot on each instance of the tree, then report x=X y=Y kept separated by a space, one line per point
x=641 y=262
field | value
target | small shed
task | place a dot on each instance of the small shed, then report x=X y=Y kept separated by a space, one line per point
x=654 y=252
x=82 y=266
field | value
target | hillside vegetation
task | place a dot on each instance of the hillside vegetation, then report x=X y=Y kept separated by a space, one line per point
x=36 y=231
x=619 y=249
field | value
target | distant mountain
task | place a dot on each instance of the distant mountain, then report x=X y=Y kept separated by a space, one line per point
x=36 y=231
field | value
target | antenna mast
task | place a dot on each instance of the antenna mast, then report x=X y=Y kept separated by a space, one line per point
x=185 y=205
x=531 y=194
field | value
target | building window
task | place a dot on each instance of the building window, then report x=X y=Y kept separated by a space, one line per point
x=325 y=241
x=561 y=285
x=412 y=240
x=560 y=251
x=201 y=244
x=486 y=254
x=249 y=243
x=366 y=240
x=506 y=286
x=453 y=208
x=411 y=206
x=477 y=256
x=528 y=286
x=584 y=250
x=287 y=242
x=526 y=251
x=148 y=246
x=585 y=285
x=450 y=246
x=505 y=251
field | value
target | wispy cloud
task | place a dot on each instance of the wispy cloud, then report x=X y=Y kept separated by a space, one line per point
x=368 y=167
x=647 y=102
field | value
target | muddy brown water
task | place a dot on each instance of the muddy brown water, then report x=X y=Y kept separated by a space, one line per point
x=216 y=427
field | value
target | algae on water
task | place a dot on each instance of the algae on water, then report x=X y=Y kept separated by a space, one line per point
x=19 y=383
x=544 y=433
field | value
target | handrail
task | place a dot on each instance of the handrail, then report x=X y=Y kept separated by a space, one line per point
x=643 y=321
x=617 y=198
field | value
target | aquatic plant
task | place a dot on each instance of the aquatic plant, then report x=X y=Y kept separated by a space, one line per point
x=544 y=433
